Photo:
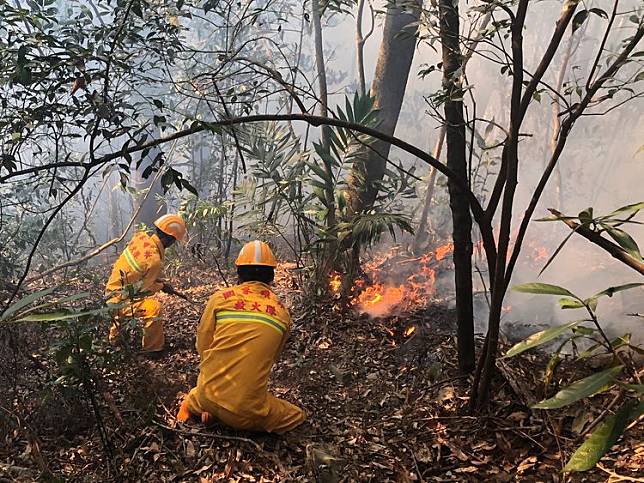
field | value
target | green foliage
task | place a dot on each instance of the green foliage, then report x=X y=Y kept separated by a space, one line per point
x=367 y=228
x=609 y=224
x=590 y=452
x=581 y=389
x=605 y=436
x=540 y=338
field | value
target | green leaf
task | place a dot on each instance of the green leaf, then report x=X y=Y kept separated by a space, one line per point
x=580 y=389
x=579 y=19
x=540 y=338
x=542 y=289
x=62 y=315
x=586 y=216
x=603 y=438
x=619 y=288
x=24 y=302
x=568 y=303
x=598 y=11
x=625 y=241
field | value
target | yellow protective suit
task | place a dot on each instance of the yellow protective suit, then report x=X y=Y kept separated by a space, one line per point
x=140 y=261
x=239 y=338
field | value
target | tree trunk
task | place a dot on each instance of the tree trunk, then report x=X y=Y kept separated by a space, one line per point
x=388 y=89
x=329 y=192
x=152 y=206
x=457 y=161
x=421 y=232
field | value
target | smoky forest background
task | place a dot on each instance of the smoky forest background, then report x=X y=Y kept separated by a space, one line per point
x=454 y=193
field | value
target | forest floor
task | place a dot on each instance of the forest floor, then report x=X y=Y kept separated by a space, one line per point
x=382 y=406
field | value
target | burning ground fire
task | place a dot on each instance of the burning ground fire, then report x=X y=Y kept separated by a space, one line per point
x=380 y=297
x=396 y=283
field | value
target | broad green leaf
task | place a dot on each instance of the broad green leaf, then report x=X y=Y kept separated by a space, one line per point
x=568 y=303
x=539 y=338
x=628 y=209
x=61 y=315
x=543 y=289
x=619 y=288
x=63 y=300
x=580 y=389
x=625 y=241
x=24 y=302
x=603 y=438
x=588 y=331
x=579 y=18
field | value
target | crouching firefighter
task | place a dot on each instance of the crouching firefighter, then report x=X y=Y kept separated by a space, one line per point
x=239 y=338
x=141 y=261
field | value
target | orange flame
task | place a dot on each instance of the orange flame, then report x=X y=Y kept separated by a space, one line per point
x=335 y=283
x=381 y=297
x=409 y=330
x=444 y=250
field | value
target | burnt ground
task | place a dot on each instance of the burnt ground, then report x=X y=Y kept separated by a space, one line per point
x=382 y=407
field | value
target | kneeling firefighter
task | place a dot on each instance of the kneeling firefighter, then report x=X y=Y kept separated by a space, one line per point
x=239 y=338
x=141 y=261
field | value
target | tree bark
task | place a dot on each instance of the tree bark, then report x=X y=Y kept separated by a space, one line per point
x=329 y=192
x=150 y=205
x=388 y=89
x=457 y=161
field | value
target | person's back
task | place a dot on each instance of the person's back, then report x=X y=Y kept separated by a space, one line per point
x=240 y=336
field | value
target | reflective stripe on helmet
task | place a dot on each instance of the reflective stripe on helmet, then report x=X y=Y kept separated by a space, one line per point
x=258 y=252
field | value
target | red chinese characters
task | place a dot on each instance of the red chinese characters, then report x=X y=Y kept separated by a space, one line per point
x=270 y=310
x=240 y=305
x=228 y=293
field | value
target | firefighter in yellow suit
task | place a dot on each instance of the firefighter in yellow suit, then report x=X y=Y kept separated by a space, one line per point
x=142 y=261
x=239 y=338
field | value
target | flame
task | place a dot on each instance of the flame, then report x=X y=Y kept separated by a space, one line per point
x=410 y=330
x=335 y=283
x=381 y=297
x=444 y=250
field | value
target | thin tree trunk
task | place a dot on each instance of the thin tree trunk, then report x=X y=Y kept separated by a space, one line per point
x=421 y=232
x=556 y=120
x=388 y=89
x=152 y=206
x=360 y=49
x=323 y=96
x=360 y=41
x=457 y=161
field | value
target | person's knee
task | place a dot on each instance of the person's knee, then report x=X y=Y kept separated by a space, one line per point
x=153 y=308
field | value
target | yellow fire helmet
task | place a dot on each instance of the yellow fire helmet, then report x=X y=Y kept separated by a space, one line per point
x=256 y=253
x=172 y=225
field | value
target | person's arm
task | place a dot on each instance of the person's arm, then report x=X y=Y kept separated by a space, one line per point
x=285 y=337
x=151 y=281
